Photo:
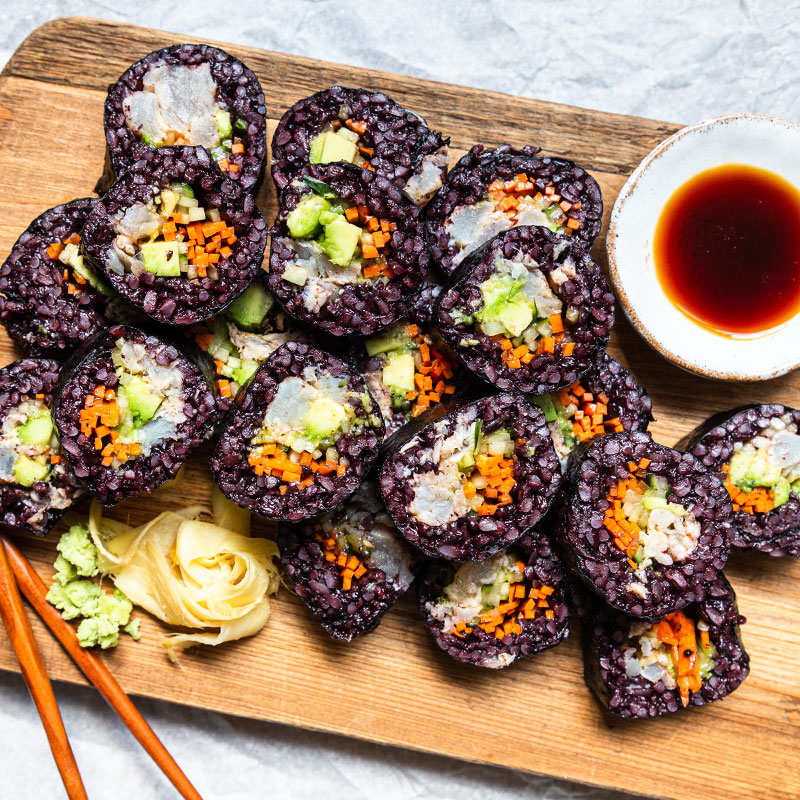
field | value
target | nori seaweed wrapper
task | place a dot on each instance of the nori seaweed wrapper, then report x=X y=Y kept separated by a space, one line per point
x=398 y=409
x=468 y=184
x=365 y=306
x=177 y=300
x=470 y=536
x=403 y=149
x=237 y=91
x=572 y=276
x=381 y=573
x=604 y=634
x=35 y=508
x=545 y=626
x=629 y=407
x=90 y=367
x=261 y=493
x=776 y=532
x=39 y=307
x=590 y=549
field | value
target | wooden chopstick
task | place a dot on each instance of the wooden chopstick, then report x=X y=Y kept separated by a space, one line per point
x=95 y=670
x=33 y=671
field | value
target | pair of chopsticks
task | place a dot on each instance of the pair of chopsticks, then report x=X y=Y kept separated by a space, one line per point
x=16 y=573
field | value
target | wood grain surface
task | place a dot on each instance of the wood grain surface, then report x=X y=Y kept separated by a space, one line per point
x=394 y=686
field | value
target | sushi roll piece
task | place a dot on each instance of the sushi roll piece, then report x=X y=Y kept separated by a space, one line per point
x=606 y=399
x=189 y=94
x=490 y=191
x=348 y=252
x=129 y=409
x=491 y=613
x=49 y=300
x=250 y=329
x=175 y=237
x=755 y=451
x=300 y=438
x=36 y=483
x=350 y=566
x=528 y=313
x=645 y=526
x=406 y=369
x=472 y=482
x=691 y=657
x=364 y=128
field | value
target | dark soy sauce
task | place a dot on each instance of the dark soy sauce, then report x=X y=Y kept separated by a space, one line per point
x=727 y=250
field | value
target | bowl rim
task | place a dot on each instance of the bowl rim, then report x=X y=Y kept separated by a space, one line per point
x=623 y=196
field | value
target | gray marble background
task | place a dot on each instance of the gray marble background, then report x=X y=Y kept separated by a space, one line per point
x=679 y=60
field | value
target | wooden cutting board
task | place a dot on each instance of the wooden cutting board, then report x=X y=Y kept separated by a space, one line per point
x=394 y=686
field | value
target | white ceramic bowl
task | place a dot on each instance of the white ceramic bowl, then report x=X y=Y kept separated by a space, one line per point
x=757 y=141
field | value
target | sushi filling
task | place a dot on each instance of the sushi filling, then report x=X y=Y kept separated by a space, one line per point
x=490 y=595
x=335 y=244
x=474 y=476
x=178 y=105
x=413 y=375
x=76 y=275
x=302 y=425
x=365 y=539
x=676 y=652
x=347 y=141
x=506 y=205
x=171 y=236
x=575 y=415
x=242 y=337
x=764 y=472
x=520 y=309
x=144 y=409
x=647 y=528
x=29 y=450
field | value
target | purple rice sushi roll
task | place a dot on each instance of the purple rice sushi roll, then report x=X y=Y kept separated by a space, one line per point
x=350 y=566
x=36 y=483
x=364 y=128
x=755 y=451
x=49 y=300
x=640 y=669
x=348 y=252
x=406 y=370
x=189 y=94
x=606 y=399
x=491 y=613
x=175 y=237
x=300 y=438
x=474 y=481
x=250 y=330
x=490 y=191
x=130 y=408
x=528 y=312
x=643 y=525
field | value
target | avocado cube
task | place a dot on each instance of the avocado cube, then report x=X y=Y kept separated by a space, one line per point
x=143 y=402
x=329 y=147
x=295 y=274
x=303 y=219
x=340 y=241
x=780 y=491
x=28 y=470
x=393 y=339
x=398 y=373
x=467 y=461
x=243 y=374
x=37 y=430
x=316 y=148
x=169 y=201
x=250 y=308
x=323 y=419
x=161 y=258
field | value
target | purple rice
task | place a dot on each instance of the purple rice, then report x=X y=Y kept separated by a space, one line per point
x=261 y=493
x=587 y=295
x=590 y=549
x=468 y=183
x=35 y=508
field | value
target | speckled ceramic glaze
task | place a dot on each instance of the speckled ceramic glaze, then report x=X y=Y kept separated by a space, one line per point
x=750 y=139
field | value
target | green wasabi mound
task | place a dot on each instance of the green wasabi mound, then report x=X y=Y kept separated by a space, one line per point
x=101 y=614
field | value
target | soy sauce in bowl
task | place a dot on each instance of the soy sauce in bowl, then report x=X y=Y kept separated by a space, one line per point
x=727 y=250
